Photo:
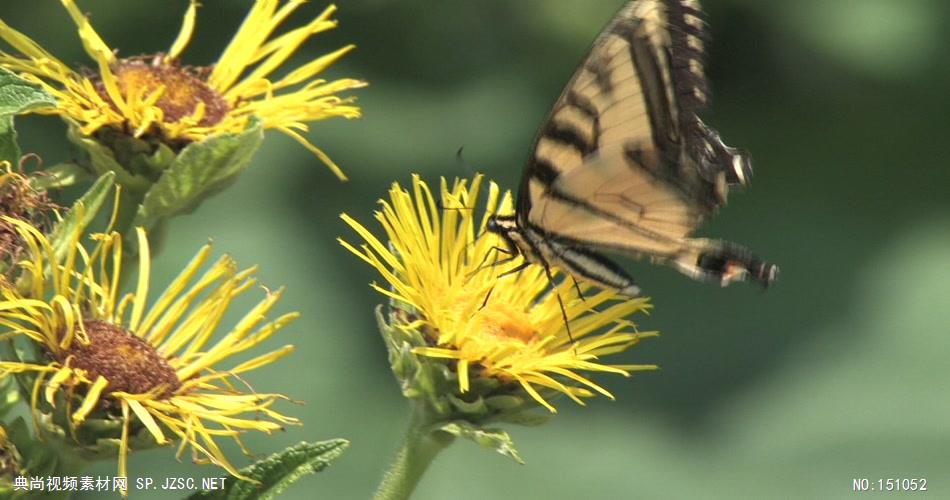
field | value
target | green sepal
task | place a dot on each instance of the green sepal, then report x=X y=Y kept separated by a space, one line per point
x=436 y=381
x=58 y=176
x=100 y=160
x=146 y=158
x=98 y=437
x=434 y=384
x=160 y=181
x=274 y=474
x=492 y=439
x=417 y=377
x=476 y=407
x=201 y=170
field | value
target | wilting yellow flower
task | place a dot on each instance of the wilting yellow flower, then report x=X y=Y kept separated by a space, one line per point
x=438 y=260
x=156 y=95
x=20 y=201
x=108 y=356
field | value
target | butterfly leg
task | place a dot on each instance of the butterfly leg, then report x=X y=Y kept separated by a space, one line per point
x=487 y=296
x=484 y=263
x=723 y=262
x=515 y=269
x=560 y=301
x=595 y=268
x=578 y=288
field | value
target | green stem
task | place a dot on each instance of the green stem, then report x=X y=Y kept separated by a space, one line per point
x=418 y=449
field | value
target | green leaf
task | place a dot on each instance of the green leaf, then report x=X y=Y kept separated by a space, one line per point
x=202 y=169
x=492 y=439
x=19 y=96
x=81 y=214
x=58 y=176
x=278 y=471
x=9 y=149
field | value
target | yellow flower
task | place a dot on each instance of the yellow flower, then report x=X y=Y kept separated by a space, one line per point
x=108 y=356
x=439 y=260
x=179 y=104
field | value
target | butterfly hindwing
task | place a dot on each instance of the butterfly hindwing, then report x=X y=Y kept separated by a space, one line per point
x=624 y=164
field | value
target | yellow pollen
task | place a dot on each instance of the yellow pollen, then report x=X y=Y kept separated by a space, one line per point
x=504 y=321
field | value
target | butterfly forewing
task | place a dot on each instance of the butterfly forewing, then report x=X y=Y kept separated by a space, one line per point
x=606 y=169
x=624 y=163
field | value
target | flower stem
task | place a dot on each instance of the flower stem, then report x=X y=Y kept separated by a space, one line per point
x=419 y=448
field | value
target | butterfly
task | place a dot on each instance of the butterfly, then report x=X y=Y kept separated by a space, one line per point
x=624 y=164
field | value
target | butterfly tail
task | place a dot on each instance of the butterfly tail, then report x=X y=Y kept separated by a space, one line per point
x=713 y=157
x=723 y=262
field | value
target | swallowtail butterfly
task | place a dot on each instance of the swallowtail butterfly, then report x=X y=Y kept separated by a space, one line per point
x=624 y=164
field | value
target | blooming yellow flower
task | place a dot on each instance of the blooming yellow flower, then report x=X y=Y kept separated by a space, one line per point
x=108 y=356
x=156 y=95
x=438 y=262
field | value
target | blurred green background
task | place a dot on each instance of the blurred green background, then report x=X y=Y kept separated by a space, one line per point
x=839 y=372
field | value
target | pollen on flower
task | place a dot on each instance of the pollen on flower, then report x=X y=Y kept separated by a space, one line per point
x=504 y=321
x=180 y=90
x=156 y=365
x=489 y=320
x=126 y=361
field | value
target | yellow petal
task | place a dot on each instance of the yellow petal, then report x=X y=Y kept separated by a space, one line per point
x=95 y=47
x=146 y=418
x=141 y=290
x=91 y=399
x=187 y=28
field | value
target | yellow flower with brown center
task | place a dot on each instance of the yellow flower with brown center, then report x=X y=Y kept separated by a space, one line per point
x=508 y=327
x=155 y=370
x=158 y=96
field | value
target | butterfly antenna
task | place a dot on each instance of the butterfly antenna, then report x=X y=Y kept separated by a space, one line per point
x=465 y=165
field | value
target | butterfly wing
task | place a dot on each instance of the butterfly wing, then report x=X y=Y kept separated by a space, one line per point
x=623 y=162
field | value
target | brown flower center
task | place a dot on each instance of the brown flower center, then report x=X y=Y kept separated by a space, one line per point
x=129 y=363
x=183 y=88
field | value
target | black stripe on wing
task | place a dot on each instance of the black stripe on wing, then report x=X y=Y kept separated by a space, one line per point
x=582 y=104
x=568 y=135
x=688 y=36
x=647 y=60
x=603 y=214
